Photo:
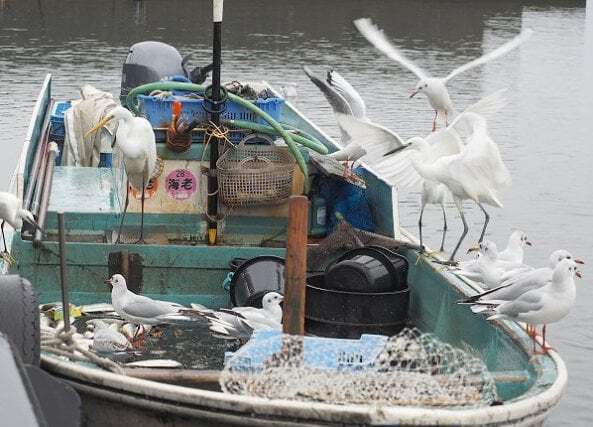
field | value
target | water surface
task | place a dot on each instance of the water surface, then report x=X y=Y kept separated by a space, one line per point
x=544 y=133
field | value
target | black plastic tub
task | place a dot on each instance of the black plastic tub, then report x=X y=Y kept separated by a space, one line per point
x=346 y=314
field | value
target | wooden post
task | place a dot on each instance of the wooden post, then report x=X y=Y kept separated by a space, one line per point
x=293 y=318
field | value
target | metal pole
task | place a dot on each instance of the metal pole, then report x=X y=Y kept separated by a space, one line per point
x=64 y=282
x=46 y=192
x=215 y=117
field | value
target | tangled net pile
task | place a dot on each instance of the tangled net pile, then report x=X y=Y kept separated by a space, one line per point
x=412 y=369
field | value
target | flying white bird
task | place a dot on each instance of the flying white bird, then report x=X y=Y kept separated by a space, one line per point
x=434 y=88
x=514 y=250
x=547 y=303
x=135 y=138
x=142 y=310
x=362 y=139
x=240 y=322
x=12 y=213
x=407 y=167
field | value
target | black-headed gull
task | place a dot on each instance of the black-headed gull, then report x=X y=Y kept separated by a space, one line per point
x=106 y=339
x=434 y=88
x=543 y=305
x=514 y=250
x=142 y=310
x=240 y=322
x=362 y=139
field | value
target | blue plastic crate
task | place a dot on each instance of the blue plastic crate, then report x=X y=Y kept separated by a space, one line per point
x=158 y=112
x=57 y=132
x=320 y=353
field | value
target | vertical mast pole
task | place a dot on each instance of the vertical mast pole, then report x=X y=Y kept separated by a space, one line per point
x=215 y=117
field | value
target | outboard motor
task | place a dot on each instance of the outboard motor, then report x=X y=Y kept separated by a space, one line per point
x=151 y=61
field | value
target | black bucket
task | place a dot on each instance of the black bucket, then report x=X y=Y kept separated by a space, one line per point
x=345 y=314
x=254 y=278
x=368 y=269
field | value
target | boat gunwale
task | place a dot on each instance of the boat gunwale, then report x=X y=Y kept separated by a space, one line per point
x=517 y=410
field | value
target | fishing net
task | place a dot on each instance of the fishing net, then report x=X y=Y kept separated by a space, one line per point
x=411 y=369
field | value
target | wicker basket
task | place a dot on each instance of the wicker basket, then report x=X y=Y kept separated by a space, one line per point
x=253 y=175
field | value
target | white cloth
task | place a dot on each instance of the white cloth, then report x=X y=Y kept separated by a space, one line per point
x=78 y=120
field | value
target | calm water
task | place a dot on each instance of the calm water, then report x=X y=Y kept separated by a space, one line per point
x=544 y=133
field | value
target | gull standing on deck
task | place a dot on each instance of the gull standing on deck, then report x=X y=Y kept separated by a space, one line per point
x=12 y=213
x=240 y=322
x=434 y=88
x=404 y=169
x=140 y=309
x=135 y=138
x=362 y=139
x=546 y=304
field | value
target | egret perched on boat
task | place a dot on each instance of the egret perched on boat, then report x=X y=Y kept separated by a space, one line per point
x=476 y=172
x=547 y=303
x=399 y=169
x=135 y=138
x=362 y=139
x=434 y=88
x=12 y=213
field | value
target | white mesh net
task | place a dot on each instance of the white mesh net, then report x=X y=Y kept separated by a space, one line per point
x=411 y=369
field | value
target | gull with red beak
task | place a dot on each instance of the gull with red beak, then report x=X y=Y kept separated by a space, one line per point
x=434 y=88
x=140 y=309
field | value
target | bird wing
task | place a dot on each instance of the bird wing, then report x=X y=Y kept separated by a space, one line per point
x=444 y=142
x=529 y=301
x=398 y=170
x=372 y=137
x=337 y=101
x=9 y=206
x=376 y=37
x=144 y=307
x=485 y=107
x=500 y=51
x=341 y=85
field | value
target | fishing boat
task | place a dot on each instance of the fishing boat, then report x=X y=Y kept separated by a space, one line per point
x=178 y=264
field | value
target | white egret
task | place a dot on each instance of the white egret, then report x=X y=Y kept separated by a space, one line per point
x=514 y=250
x=12 y=213
x=363 y=139
x=434 y=88
x=547 y=303
x=135 y=138
x=476 y=173
x=399 y=169
x=240 y=322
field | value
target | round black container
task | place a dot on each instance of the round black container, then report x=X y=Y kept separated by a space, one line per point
x=347 y=314
x=255 y=278
x=368 y=269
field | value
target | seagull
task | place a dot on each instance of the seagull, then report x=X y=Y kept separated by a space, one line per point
x=488 y=268
x=240 y=322
x=362 y=139
x=106 y=339
x=514 y=250
x=444 y=148
x=135 y=138
x=520 y=283
x=549 y=302
x=434 y=88
x=12 y=213
x=140 y=309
